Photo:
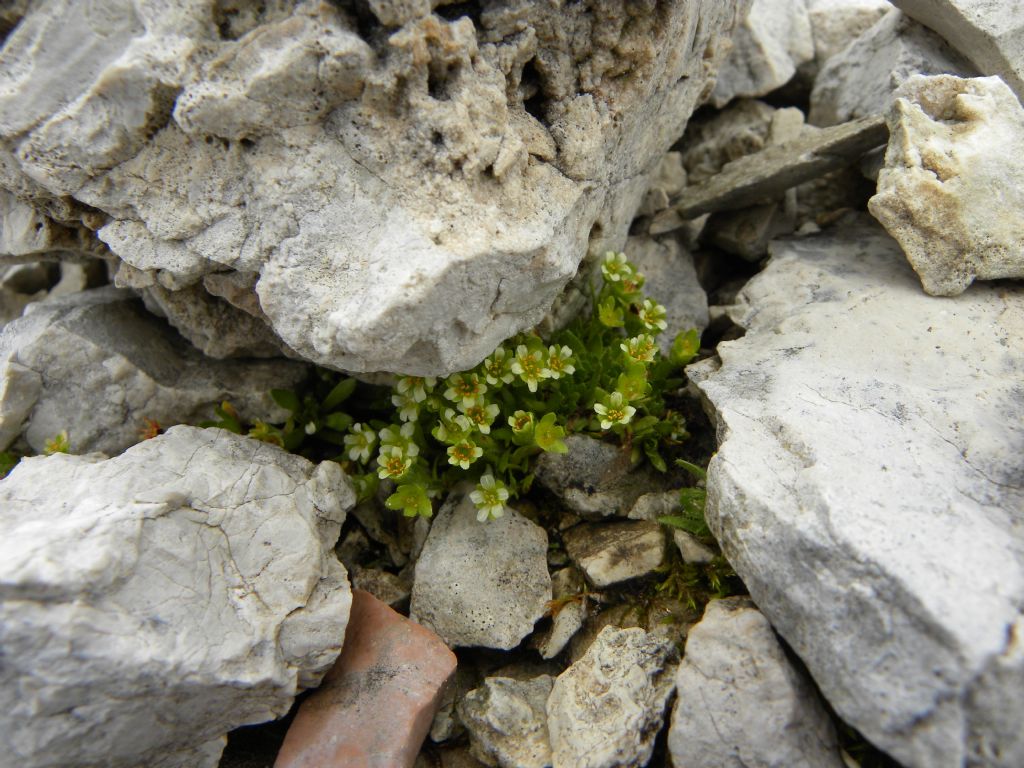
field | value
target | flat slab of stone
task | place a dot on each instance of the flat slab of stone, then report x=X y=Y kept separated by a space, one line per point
x=773 y=170
x=616 y=551
x=375 y=705
x=869 y=490
x=152 y=602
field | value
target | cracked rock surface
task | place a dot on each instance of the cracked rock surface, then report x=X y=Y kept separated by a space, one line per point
x=99 y=347
x=868 y=491
x=408 y=189
x=151 y=602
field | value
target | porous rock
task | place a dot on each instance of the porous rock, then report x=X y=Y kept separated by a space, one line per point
x=101 y=348
x=151 y=602
x=768 y=46
x=607 y=708
x=953 y=181
x=507 y=721
x=740 y=702
x=988 y=32
x=481 y=583
x=860 y=80
x=894 y=558
x=410 y=188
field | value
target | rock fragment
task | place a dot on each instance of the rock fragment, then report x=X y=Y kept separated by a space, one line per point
x=953 y=181
x=837 y=23
x=375 y=705
x=507 y=721
x=613 y=552
x=100 y=345
x=841 y=540
x=741 y=702
x=607 y=708
x=481 y=583
x=192 y=577
x=569 y=610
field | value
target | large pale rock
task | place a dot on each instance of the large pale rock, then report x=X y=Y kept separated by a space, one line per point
x=740 y=702
x=151 y=602
x=773 y=40
x=96 y=365
x=507 y=721
x=481 y=583
x=868 y=491
x=409 y=189
x=988 y=32
x=860 y=80
x=953 y=181
x=391 y=671
x=607 y=708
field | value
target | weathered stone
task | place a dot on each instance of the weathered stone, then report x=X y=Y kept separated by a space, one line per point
x=773 y=170
x=448 y=757
x=481 y=583
x=860 y=80
x=612 y=552
x=27 y=233
x=691 y=549
x=607 y=708
x=391 y=589
x=100 y=345
x=668 y=180
x=507 y=722
x=714 y=139
x=596 y=479
x=837 y=23
x=874 y=515
x=988 y=32
x=768 y=46
x=569 y=610
x=953 y=181
x=671 y=280
x=375 y=705
x=409 y=189
x=651 y=506
x=151 y=602
x=740 y=702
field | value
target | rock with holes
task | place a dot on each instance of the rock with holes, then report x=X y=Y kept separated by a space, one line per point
x=607 y=708
x=860 y=80
x=481 y=583
x=740 y=702
x=408 y=185
x=151 y=602
x=507 y=721
x=773 y=40
x=868 y=490
x=96 y=365
x=953 y=181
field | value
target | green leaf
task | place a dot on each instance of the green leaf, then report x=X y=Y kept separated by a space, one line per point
x=651 y=449
x=366 y=486
x=698 y=472
x=7 y=462
x=685 y=347
x=286 y=399
x=548 y=435
x=610 y=313
x=338 y=421
x=342 y=391
x=411 y=499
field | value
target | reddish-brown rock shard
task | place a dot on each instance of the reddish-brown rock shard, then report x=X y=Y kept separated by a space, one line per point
x=375 y=706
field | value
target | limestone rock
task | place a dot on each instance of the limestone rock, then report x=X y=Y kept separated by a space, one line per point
x=481 y=583
x=612 y=552
x=741 y=702
x=409 y=188
x=151 y=602
x=898 y=557
x=607 y=708
x=98 y=366
x=773 y=40
x=568 y=613
x=714 y=139
x=391 y=671
x=837 y=23
x=692 y=549
x=990 y=34
x=507 y=721
x=596 y=479
x=953 y=181
x=860 y=80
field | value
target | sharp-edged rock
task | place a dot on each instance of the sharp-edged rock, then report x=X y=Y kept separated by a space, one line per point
x=952 y=186
x=97 y=366
x=375 y=705
x=411 y=188
x=507 y=722
x=768 y=47
x=741 y=702
x=837 y=23
x=569 y=610
x=613 y=552
x=151 y=602
x=481 y=583
x=607 y=708
x=868 y=491
x=988 y=32
x=860 y=80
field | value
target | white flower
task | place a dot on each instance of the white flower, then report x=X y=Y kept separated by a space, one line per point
x=652 y=315
x=560 y=362
x=416 y=386
x=465 y=388
x=360 y=442
x=464 y=453
x=481 y=416
x=615 y=267
x=529 y=366
x=489 y=497
x=393 y=463
x=400 y=438
x=641 y=348
x=498 y=368
x=614 y=410
x=408 y=407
